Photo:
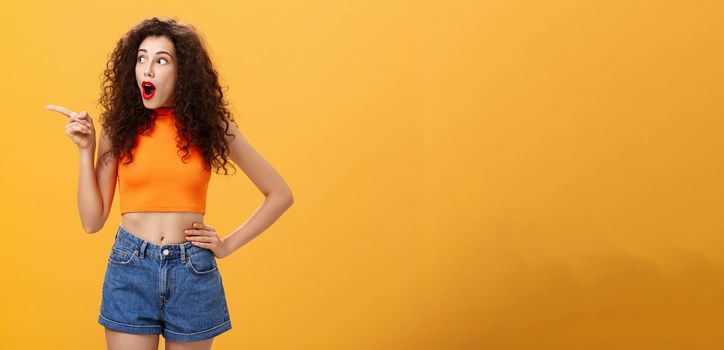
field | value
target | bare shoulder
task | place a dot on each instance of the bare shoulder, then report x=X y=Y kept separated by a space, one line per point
x=253 y=164
x=240 y=149
x=236 y=137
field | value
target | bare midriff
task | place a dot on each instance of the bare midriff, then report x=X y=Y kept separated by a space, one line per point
x=161 y=227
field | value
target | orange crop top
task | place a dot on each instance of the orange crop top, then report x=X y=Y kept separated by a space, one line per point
x=157 y=179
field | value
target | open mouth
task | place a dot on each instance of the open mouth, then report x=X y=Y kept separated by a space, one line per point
x=148 y=89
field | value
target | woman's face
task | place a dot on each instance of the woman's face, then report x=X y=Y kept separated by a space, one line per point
x=156 y=71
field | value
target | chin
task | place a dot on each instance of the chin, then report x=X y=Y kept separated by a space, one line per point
x=150 y=105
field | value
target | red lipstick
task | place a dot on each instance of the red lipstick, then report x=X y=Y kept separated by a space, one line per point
x=147 y=90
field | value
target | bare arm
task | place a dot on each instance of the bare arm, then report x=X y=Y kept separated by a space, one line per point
x=90 y=203
x=96 y=184
x=278 y=194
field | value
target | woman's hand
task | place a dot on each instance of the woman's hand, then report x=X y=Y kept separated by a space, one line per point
x=79 y=127
x=205 y=237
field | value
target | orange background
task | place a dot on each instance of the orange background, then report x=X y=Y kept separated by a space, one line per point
x=467 y=175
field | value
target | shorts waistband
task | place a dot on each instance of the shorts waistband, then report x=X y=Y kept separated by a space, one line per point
x=166 y=251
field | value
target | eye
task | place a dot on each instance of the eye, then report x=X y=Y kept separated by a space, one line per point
x=141 y=59
x=164 y=60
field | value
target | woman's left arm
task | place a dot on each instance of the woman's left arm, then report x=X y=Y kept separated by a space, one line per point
x=278 y=197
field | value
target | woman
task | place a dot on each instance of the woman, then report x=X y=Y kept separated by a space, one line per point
x=164 y=126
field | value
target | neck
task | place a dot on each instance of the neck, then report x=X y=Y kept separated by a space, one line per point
x=164 y=110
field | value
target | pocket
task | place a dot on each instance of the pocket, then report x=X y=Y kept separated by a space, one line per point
x=202 y=263
x=122 y=255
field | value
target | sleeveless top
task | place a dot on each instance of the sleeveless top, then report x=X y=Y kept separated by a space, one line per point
x=158 y=180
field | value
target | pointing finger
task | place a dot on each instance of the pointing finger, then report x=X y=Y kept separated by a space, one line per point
x=60 y=109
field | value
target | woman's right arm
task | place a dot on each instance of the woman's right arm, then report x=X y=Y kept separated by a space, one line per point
x=96 y=184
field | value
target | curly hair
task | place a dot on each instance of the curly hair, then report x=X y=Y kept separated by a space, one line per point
x=199 y=104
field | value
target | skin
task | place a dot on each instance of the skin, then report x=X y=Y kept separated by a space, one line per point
x=96 y=186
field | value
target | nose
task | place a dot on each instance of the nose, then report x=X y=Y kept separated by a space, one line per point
x=148 y=72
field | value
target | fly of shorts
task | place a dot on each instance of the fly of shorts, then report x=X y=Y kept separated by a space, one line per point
x=174 y=290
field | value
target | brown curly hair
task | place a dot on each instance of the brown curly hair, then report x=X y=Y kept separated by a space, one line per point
x=199 y=104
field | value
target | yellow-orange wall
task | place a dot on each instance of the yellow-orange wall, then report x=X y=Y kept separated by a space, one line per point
x=467 y=174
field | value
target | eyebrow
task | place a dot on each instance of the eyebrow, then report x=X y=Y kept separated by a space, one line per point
x=144 y=50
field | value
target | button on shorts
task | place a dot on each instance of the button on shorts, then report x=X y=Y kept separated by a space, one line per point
x=174 y=290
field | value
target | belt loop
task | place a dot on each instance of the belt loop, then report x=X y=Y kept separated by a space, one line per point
x=143 y=249
x=183 y=253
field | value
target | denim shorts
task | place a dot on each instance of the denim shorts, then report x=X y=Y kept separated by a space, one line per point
x=174 y=290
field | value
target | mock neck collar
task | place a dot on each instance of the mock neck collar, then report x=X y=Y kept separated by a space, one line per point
x=164 y=111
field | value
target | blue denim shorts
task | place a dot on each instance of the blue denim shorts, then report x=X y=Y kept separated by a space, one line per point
x=174 y=290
